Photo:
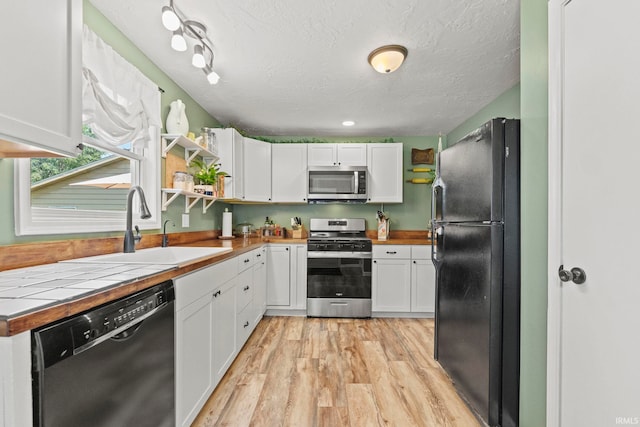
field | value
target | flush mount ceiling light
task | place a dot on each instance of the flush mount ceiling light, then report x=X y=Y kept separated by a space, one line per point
x=348 y=123
x=181 y=27
x=387 y=59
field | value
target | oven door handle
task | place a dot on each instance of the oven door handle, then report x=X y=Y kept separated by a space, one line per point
x=338 y=254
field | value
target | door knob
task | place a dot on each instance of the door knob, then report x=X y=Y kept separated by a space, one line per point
x=576 y=275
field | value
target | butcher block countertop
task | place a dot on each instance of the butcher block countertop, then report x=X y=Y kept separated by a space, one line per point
x=21 y=315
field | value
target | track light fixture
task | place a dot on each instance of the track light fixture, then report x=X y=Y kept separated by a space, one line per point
x=181 y=27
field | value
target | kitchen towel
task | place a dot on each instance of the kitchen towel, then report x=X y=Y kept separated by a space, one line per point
x=226 y=223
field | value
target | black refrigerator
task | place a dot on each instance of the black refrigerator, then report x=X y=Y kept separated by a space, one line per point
x=476 y=252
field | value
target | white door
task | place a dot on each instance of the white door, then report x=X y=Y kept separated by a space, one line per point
x=594 y=208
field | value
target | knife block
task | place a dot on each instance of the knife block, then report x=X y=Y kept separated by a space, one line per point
x=299 y=233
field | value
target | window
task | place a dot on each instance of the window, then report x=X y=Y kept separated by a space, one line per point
x=121 y=124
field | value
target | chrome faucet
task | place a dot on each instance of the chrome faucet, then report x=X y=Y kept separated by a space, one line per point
x=129 y=240
x=165 y=238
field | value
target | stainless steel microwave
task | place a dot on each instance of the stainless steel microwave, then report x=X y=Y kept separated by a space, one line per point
x=337 y=184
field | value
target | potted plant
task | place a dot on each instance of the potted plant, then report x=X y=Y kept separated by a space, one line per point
x=209 y=175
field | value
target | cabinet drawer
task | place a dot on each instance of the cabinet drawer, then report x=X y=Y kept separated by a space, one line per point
x=244 y=289
x=244 y=326
x=192 y=286
x=421 y=252
x=392 y=251
x=246 y=260
x=259 y=255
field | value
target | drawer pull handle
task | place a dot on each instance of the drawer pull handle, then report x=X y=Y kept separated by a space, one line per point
x=246 y=260
x=217 y=294
x=246 y=288
x=246 y=324
x=392 y=252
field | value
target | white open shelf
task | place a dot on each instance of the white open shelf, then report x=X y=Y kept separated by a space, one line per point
x=190 y=199
x=191 y=149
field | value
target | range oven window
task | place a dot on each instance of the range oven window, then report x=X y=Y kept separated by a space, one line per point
x=338 y=278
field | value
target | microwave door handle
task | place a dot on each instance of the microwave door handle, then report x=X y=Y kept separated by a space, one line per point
x=355 y=176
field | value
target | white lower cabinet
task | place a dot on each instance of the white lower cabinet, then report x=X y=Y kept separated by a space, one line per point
x=224 y=333
x=402 y=279
x=205 y=334
x=391 y=278
x=16 y=409
x=194 y=359
x=260 y=284
x=278 y=275
x=286 y=277
x=423 y=280
x=244 y=302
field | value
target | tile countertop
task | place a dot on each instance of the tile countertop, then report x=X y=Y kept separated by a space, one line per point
x=35 y=296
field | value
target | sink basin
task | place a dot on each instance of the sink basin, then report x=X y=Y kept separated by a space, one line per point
x=172 y=255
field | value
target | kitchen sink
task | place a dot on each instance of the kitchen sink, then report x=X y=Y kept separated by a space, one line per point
x=173 y=255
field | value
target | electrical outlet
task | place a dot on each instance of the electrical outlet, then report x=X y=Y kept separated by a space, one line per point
x=185 y=220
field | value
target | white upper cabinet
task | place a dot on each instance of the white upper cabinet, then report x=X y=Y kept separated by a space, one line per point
x=40 y=88
x=337 y=154
x=230 y=149
x=257 y=170
x=384 y=162
x=289 y=173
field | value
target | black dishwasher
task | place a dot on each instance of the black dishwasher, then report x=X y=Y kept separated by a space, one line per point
x=110 y=366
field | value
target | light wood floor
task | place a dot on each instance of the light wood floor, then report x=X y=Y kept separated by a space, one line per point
x=296 y=371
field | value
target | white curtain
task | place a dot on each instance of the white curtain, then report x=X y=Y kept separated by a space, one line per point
x=119 y=103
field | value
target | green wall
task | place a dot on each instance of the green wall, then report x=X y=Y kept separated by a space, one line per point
x=506 y=105
x=198 y=118
x=534 y=113
x=412 y=214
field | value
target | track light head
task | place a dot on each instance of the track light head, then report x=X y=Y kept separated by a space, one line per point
x=198 y=60
x=170 y=19
x=178 y=41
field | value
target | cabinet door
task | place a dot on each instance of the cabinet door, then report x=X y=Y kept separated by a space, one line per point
x=299 y=286
x=230 y=150
x=194 y=358
x=423 y=286
x=224 y=328
x=322 y=155
x=257 y=170
x=41 y=82
x=351 y=154
x=391 y=285
x=385 y=173
x=289 y=173
x=260 y=287
x=278 y=276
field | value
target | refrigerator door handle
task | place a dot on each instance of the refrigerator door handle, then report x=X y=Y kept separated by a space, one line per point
x=437 y=247
x=437 y=197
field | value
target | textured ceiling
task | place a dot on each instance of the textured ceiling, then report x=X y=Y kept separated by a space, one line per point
x=299 y=67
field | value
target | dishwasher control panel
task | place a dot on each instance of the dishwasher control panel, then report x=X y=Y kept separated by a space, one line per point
x=75 y=334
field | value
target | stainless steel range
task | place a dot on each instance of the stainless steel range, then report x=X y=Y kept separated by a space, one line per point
x=338 y=268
